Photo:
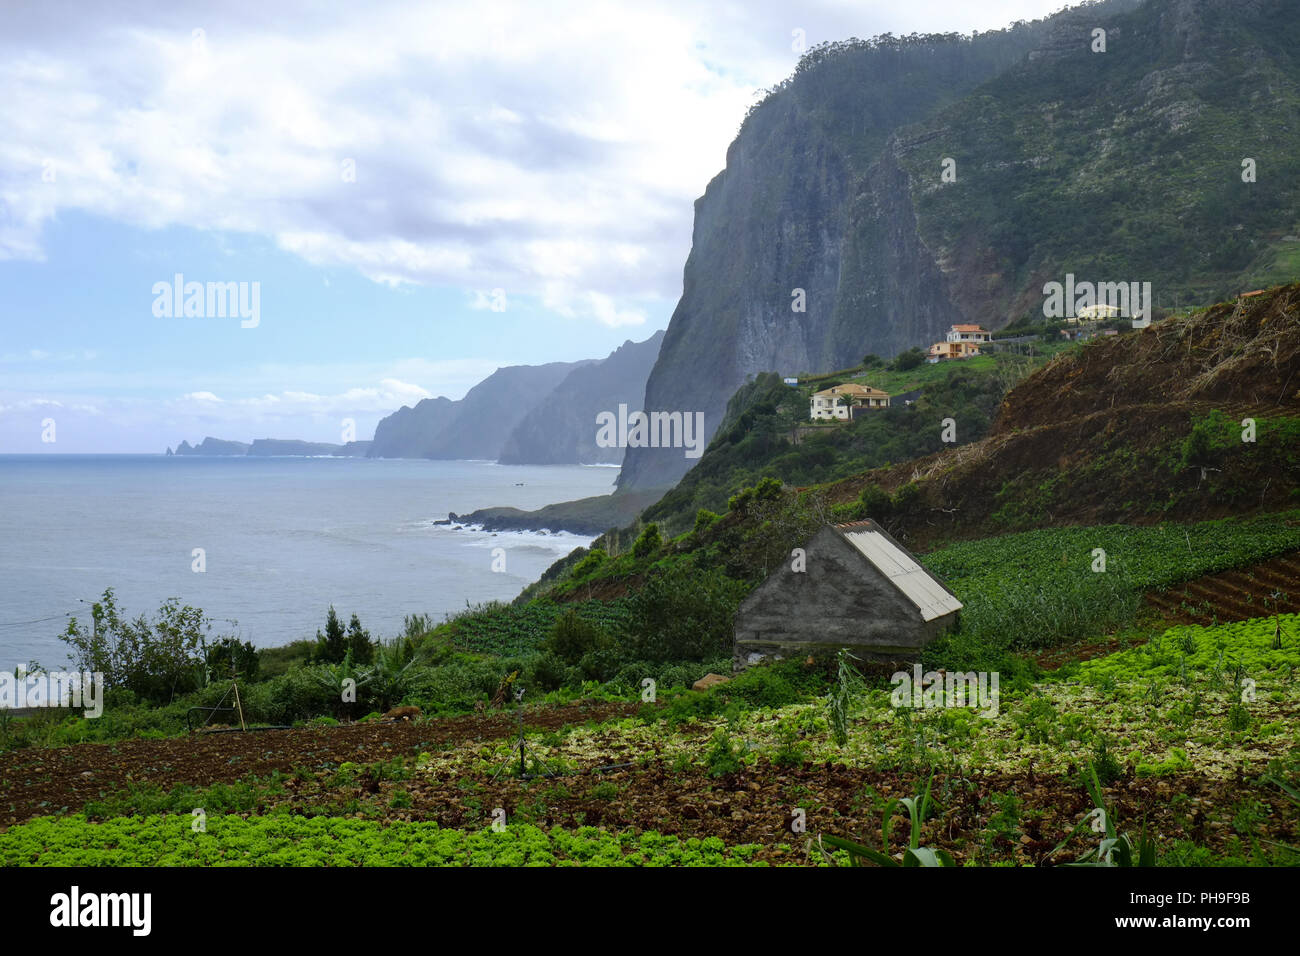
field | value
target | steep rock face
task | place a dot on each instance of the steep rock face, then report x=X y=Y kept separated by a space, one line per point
x=561 y=429
x=766 y=227
x=1115 y=166
x=412 y=432
x=477 y=425
x=781 y=217
x=897 y=295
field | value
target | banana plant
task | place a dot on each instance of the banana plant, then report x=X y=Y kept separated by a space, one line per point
x=918 y=807
x=1115 y=848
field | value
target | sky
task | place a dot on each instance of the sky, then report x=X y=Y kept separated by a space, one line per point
x=286 y=220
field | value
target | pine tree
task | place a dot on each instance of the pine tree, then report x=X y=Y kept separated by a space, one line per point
x=332 y=646
x=363 y=651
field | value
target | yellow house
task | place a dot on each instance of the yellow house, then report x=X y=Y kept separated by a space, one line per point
x=830 y=402
x=940 y=351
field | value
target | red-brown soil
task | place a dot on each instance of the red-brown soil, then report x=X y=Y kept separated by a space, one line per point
x=34 y=782
x=1235 y=595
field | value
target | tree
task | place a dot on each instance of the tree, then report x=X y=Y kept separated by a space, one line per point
x=155 y=660
x=333 y=644
x=359 y=643
x=871 y=360
x=230 y=654
x=648 y=542
x=906 y=361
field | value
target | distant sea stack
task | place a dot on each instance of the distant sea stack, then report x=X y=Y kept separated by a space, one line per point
x=213 y=446
x=269 y=447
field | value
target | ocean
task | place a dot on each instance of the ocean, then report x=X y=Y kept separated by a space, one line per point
x=282 y=539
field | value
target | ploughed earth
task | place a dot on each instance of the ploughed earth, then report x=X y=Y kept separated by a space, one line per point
x=1270 y=587
x=752 y=806
x=38 y=782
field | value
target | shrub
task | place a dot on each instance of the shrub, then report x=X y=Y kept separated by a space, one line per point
x=589 y=563
x=722 y=758
x=875 y=501
x=229 y=654
x=156 y=660
x=571 y=638
x=704 y=519
x=546 y=671
x=274 y=661
x=683 y=614
x=763 y=686
x=600 y=664
x=906 y=361
x=648 y=542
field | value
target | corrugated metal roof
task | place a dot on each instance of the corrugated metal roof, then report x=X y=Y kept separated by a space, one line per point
x=916 y=583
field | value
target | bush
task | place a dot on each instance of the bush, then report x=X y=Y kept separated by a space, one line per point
x=600 y=664
x=571 y=638
x=274 y=661
x=875 y=501
x=704 y=519
x=157 y=660
x=297 y=695
x=763 y=686
x=683 y=614
x=769 y=489
x=456 y=685
x=589 y=563
x=546 y=671
x=229 y=654
x=648 y=542
x=722 y=758
x=906 y=361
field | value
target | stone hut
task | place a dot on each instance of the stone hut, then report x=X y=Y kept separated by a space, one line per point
x=851 y=586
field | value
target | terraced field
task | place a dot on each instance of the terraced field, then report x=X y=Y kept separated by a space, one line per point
x=1261 y=589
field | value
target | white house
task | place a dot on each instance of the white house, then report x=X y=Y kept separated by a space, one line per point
x=831 y=402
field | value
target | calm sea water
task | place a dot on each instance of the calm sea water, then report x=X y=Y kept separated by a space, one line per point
x=283 y=539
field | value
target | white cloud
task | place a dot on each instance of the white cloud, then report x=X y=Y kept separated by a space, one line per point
x=603 y=308
x=499 y=143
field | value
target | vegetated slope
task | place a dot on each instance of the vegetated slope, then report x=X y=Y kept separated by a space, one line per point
x=561 y=429
x=766 y=433
x=1140 y=427
x=1119 y=166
